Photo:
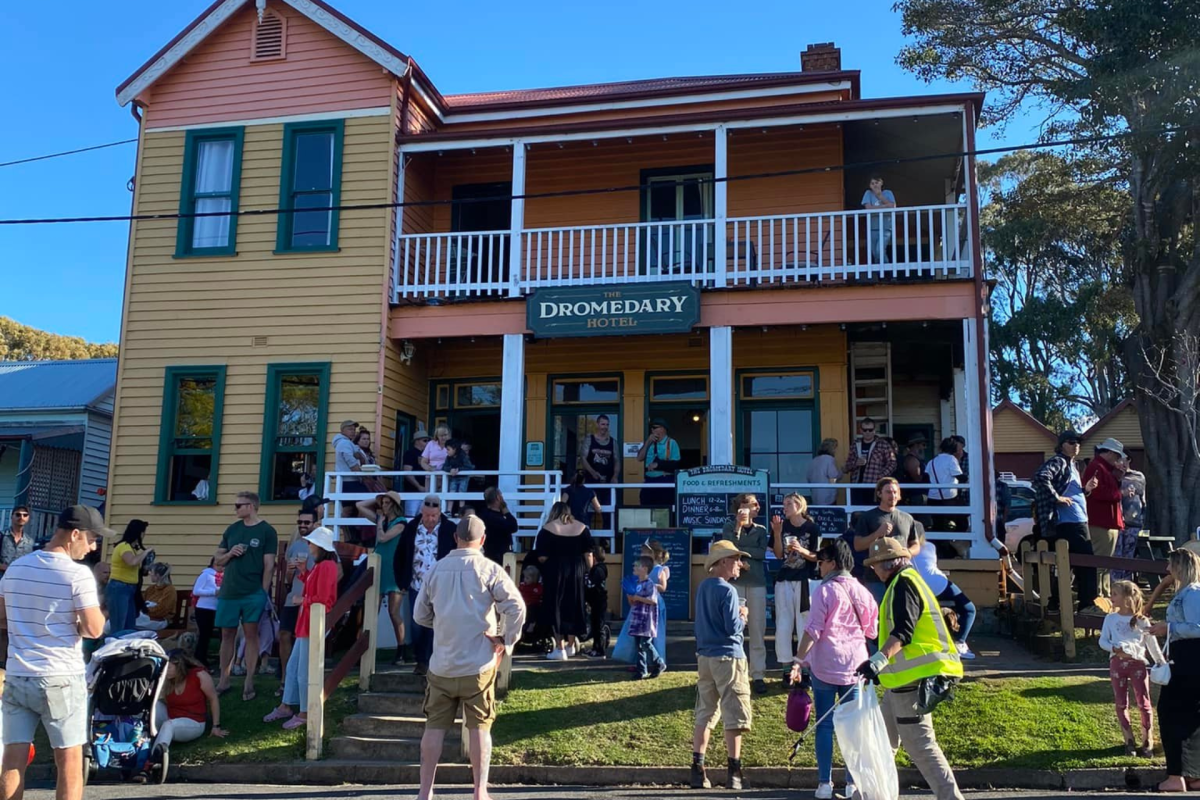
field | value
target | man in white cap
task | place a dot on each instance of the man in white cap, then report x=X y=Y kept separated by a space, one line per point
x=49 y=604
x=476 y=613
x=723 y=684
x=1104 y=516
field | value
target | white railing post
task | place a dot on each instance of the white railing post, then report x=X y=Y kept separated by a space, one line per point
x=517 y=222
x=316 y=683
x=366 y=665
x=720 y=205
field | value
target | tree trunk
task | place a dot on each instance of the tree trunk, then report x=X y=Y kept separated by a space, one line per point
x=1172 y=471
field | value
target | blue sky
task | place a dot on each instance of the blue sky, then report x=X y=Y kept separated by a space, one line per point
x=64 y=60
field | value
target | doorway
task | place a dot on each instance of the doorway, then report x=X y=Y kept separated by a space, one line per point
x=481 y=207
x=778 y=424
x=576 y=407
x=676 y=194
x=680 y=399
x=471 y=409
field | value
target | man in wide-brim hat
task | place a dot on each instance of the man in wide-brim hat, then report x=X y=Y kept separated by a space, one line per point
x=723 y=683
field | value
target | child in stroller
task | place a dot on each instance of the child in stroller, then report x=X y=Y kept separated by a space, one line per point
x=124 y=679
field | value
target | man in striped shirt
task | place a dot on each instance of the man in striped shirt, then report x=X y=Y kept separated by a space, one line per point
x=48 y=603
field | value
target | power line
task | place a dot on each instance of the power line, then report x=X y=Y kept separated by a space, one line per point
x=257 y=212
x=65 y=153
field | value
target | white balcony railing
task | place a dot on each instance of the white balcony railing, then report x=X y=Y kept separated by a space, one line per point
x=921 y=242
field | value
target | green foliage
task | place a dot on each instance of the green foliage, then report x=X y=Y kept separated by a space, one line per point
x=22 y=343
x=1055 y=233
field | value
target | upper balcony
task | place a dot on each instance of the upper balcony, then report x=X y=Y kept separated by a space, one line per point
x=725 y=205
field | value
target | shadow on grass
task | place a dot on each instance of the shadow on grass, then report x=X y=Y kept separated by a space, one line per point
x=1099 y=691
x=1070 y=759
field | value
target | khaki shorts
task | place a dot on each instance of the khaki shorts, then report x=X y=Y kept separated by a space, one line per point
x=723 y=688
x=477 y=693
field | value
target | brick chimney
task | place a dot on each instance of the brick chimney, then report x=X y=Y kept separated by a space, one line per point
x=823 y=57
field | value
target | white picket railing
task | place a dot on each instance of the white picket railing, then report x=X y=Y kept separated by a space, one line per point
x=922 y=241
x=529 y=494
x=633 y=253
x=919 y=242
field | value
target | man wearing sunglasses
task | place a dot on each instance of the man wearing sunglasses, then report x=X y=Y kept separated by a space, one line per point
x=426 y=540
x=247 y=552
x=13 y=542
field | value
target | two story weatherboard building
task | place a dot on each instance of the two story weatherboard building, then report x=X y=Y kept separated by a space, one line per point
x=693 y=249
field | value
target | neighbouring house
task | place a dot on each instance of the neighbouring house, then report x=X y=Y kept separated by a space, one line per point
x=694 y=249
x=1121 y=424
x=55 y=432
x=1021 y=443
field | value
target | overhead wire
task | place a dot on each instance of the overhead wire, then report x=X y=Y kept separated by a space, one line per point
x=1075 y=141
x=31 y=159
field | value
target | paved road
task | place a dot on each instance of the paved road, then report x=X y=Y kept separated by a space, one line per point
x=214 y=792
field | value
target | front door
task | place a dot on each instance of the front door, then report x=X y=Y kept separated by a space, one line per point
x=481 y=207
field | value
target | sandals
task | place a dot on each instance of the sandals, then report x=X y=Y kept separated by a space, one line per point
x=294 y=722
x=278 y=715
x=248 y=696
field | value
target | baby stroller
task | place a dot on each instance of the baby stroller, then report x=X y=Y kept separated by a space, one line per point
x=124 y=678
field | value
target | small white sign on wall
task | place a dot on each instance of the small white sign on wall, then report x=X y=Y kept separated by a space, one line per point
x=630 y=449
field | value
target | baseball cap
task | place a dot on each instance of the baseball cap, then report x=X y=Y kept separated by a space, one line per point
x=84 y=518
x=1069 y=435
x=347 y=424
x=885 y=549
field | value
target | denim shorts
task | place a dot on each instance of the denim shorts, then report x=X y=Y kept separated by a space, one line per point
x=59 y=702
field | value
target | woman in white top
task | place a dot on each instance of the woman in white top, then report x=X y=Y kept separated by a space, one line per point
x=204 y=606
x=926 y=562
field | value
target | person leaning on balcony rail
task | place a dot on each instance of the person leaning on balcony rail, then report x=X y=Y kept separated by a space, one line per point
x=660 y=454
x=1060 y=497
x=870 y=459
x=433 y=457
x=751 y=584
x=915 y=646
x=879 y=226
x=410 y=461
x=824 y=469
x=346 y=456
x=944 y=468
x=366 y=457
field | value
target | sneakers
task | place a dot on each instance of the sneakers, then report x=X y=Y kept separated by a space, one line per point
x=760 y=686
x=850 y=792
x=594 y=653
x=557 y=655
x=1146 y=751
x=963 y=650
x=658 y=670
x=735 y=782
x=570 y=650
x=824 y=791
x=700 y=778
x=1130 y=749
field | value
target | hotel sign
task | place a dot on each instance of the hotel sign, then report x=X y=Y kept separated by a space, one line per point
x=608 y=310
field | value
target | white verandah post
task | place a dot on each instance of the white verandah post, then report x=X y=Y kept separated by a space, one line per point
x=512 y=412
x=720 y=379
x=971 y=400
x=517 y=222
x=720 y=212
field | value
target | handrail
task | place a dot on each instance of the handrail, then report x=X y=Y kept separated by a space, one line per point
x=849 y=212
x=321 y=687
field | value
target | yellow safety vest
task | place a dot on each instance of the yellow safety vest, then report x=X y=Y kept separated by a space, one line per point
x=931 y=651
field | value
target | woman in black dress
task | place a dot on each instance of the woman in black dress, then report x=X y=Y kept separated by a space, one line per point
x=1179 y=701
x=559 y=549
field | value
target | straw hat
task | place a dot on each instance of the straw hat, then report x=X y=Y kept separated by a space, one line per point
x=720 y=550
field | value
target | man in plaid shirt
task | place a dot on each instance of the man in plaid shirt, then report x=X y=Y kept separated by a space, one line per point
x=871 y=458
x=1061 y=500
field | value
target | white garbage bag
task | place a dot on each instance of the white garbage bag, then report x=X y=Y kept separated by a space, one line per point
x=863 y=739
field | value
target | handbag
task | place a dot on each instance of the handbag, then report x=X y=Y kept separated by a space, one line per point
x=1161 y=673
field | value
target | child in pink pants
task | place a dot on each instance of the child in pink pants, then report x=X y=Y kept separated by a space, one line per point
x=1124 y=636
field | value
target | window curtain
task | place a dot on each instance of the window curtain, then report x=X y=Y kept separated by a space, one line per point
x=214 y=175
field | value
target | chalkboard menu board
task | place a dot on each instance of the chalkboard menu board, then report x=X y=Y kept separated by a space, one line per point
x=677 y=542
x=706 y=496
x=831 y=521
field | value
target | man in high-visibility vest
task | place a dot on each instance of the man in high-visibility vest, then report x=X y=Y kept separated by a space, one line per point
x=915 y=645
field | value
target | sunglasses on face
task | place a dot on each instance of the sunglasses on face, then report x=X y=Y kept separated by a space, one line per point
x=240 y=505
x=20 y=513
x=432 y=505
x=868 y=430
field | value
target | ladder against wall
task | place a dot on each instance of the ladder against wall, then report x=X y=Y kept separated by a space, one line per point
x=871 y=384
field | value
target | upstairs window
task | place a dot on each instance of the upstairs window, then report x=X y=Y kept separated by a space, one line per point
x=212 y=176
x=270 y=38
x=311 y=184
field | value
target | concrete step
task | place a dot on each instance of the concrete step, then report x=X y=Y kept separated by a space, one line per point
x=391 y=705
x=367 y=748
x=398 y=682
x=392 y=727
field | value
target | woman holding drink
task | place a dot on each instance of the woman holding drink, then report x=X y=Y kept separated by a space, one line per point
x=795 y=539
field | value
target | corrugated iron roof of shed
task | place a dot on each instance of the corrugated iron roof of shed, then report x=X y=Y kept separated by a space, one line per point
x=55 y=384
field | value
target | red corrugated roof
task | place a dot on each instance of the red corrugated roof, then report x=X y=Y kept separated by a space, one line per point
x=604 y=90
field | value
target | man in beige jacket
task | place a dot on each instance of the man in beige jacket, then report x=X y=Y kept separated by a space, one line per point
x=477 y=615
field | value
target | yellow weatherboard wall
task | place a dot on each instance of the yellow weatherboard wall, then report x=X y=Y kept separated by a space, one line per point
x=309 y=307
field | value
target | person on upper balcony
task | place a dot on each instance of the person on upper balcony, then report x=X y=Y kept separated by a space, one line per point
x=879 y=226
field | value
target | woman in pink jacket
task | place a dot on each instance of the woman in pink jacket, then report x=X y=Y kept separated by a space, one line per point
x=843 y=616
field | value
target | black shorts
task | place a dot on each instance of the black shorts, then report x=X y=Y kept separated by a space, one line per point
x=288 y=617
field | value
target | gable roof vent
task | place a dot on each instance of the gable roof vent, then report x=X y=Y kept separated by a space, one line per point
x=270 y=37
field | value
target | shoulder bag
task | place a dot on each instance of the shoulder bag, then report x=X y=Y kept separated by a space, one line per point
x=1161 y=673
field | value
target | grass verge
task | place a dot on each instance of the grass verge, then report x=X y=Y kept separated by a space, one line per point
x=586 y=718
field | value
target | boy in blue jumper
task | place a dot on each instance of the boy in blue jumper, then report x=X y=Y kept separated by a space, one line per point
x=723 y=684
x=643 y=621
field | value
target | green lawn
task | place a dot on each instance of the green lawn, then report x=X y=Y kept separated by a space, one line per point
x=588 y=718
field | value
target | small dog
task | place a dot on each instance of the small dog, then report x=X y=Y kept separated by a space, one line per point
x=185 y=641
x=951 y=617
